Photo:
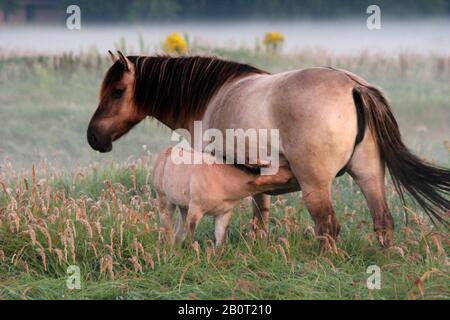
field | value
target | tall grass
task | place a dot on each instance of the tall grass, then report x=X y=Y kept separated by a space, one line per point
x=104 y=220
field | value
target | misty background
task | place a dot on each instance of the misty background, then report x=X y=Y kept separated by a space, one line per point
x=338 y=26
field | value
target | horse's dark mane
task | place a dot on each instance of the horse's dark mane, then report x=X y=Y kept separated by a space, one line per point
x=178 y=87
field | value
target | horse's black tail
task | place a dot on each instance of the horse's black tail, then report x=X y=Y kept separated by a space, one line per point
x=429 y=185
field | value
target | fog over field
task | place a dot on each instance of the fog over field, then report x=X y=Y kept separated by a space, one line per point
x=336 y=36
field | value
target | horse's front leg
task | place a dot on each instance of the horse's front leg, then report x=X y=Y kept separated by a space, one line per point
x=261 y=206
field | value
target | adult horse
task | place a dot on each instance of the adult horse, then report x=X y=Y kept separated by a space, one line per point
x=330 y=122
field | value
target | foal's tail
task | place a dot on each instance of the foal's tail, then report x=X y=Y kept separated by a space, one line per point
x=429 y=185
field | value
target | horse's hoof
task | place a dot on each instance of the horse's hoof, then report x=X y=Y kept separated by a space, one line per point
x=385 y=237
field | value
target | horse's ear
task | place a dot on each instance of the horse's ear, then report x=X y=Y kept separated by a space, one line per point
x=114 y=58
x=124 y=60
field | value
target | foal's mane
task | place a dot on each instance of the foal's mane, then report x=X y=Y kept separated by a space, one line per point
x=180 y=87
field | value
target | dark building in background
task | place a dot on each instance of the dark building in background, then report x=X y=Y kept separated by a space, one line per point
x=28 y=11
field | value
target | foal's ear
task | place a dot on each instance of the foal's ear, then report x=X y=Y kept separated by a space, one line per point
x=114 y=58
x=124 y=60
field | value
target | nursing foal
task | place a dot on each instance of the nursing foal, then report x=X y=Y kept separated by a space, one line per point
x=207 y=188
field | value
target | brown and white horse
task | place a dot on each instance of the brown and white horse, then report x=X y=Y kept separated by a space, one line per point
x=330 y=122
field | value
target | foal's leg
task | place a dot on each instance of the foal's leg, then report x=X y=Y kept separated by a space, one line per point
x=166 y=211
x=367 y=168
x=261 y=206
x=180 y=230
x=221 y=223
x=194 y=216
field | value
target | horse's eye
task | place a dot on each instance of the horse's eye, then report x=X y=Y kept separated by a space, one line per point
x=117 y=93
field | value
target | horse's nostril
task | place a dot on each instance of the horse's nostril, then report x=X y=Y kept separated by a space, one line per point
x=93 y=138
x=98 y=141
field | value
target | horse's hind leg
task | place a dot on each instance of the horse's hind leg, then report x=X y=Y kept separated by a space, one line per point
x=317 y=196
x=315 y=175
x=367 y=168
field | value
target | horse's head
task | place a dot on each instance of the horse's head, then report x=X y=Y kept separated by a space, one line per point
x=116 y=113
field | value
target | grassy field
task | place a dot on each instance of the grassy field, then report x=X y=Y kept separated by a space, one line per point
x=76 y=207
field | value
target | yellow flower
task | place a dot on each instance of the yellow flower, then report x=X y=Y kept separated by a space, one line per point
x=175 y=43
x=273 y=40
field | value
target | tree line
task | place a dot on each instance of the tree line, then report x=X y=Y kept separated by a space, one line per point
x=147 y=10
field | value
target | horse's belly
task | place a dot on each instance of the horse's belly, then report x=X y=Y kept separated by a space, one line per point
x=283 y=181
x=287 y=188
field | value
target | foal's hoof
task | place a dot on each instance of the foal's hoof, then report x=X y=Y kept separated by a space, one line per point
x=385 y=237
x=327 y=244
x=260 y=231
x=330 y=229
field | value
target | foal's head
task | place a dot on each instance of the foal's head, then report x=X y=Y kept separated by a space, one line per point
x=116 y=113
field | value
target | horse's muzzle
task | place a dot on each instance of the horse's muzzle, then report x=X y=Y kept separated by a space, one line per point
x=98 y=141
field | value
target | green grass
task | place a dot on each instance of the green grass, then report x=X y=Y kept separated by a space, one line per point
x=287 y=265
x=104 y=207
